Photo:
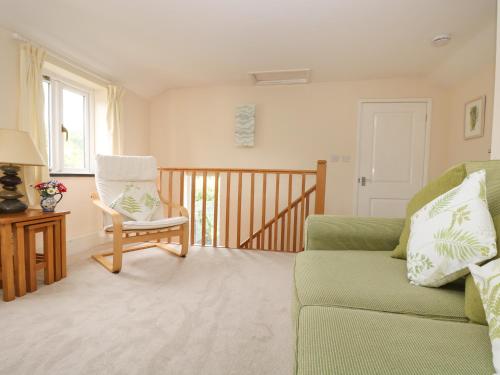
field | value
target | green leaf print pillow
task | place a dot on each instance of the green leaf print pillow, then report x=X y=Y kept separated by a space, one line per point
x=487 y=280
x=450 y=233
x=139 y=201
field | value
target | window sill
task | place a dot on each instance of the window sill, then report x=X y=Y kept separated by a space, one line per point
x=72 y=175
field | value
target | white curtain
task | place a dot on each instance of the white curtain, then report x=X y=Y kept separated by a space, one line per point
x=114 y=117
x=30 y=115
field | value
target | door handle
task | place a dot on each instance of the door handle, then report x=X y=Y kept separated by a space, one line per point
x=65 y=130
x=362 y=180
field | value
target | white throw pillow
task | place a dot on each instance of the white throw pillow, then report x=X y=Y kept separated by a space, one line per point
x=451 y=232
x=487 y=280
x=138 y=201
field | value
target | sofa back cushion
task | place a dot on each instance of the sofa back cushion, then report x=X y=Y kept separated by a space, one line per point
x=492 y=168
x=450 y=179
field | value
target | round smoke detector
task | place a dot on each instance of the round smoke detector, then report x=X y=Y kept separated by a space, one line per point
x=441 y=40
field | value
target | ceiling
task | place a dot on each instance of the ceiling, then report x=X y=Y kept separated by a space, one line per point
x=152 y=45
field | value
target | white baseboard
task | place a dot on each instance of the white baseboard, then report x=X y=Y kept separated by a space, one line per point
x=87 y=242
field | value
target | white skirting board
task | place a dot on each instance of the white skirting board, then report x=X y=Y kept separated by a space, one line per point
x=87 y=242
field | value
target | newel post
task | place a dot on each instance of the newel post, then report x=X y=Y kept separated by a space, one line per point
x=319 y=208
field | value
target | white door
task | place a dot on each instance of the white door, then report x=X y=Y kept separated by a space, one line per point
x=391 y=156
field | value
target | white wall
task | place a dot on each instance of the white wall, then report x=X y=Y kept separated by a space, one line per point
x=495 y=138
x=459 y=149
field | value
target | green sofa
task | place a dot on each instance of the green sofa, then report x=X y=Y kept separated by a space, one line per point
x=355 y=312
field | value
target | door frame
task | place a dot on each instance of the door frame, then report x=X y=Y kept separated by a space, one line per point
x=428 y=122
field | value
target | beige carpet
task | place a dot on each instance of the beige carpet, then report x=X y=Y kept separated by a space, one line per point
x=216 y=312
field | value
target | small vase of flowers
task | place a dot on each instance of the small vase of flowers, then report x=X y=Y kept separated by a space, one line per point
x=48 y=192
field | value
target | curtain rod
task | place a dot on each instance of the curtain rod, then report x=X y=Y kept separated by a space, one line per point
x=20 y=38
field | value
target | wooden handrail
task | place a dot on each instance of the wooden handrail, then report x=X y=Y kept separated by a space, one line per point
x=241 y=170
x=254 y=209
x=307 y=193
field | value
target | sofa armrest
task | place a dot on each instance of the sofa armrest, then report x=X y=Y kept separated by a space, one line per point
x=351 y=233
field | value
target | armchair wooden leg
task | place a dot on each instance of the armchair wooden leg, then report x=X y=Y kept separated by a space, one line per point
x=184 y=239
x=117 y=252
x=148 y=240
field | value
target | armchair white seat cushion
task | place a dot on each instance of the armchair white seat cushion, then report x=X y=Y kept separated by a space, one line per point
x=148 y=225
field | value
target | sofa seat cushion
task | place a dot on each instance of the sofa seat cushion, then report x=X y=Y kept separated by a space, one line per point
x=344 y=341
x=371 y=280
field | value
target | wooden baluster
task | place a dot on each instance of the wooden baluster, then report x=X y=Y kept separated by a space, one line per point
x=295 y=209
x=289 y=212
x=270 y=237
x=228 y=200
x=263 y=225
x=319 y=208
x=204 y=210
x=216 y=209
x=307 y=205
x=193 y=213
x=238 y=230
x=302 y=212
x=252 y=202
x=170 y=184
x=276 y=211
x=283 y=218
x=160 y=183
x=181 y=195
x=181 y=189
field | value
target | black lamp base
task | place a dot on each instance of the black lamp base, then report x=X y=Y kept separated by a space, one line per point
x=11 y=203
x=12 y=206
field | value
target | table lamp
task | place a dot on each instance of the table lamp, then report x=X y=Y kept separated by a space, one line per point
x=16 y=148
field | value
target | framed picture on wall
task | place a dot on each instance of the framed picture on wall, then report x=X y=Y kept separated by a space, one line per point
x=474 y=118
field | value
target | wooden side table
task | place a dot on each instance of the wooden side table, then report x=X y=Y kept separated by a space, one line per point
x=13 y=244
x=45 y=261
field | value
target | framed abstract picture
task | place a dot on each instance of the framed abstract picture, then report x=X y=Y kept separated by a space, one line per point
x=244 y=130
x=474 y=118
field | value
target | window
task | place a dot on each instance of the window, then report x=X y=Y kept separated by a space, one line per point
x=69 y=124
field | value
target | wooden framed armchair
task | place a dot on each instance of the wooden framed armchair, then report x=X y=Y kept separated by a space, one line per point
x=113 y=174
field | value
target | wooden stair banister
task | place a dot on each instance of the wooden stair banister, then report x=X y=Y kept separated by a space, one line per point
x=218 y=208
x=274 y=220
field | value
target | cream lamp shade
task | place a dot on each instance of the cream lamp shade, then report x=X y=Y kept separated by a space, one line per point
x=17 y=147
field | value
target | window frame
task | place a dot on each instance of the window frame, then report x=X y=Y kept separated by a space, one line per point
x=57 y=84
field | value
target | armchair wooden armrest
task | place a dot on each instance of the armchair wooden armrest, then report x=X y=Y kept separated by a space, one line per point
x=182 y=210
x=116 y=218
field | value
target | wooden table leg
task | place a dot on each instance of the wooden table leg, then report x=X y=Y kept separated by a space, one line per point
x=7 y=262
x=48 y=251
x=63 y=247
x=57 y=251
x=30 y=257
x=20 y=266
